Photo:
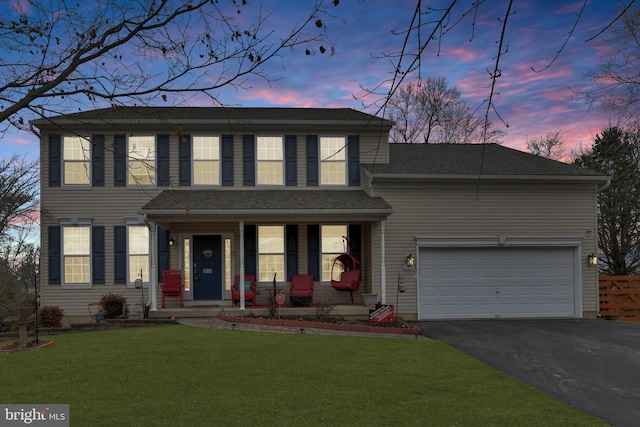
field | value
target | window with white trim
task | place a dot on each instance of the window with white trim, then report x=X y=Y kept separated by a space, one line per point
x=332 y=244
x=76 y=160
x=333 y=160
x=138 y=252
x=141 y=160
x=76 y=255
x=270 y=160
x=206 y=160
x=270 y=253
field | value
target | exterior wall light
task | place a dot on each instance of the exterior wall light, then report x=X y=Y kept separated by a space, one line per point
x=410 y=263
x=592 y=259
x=172 y=241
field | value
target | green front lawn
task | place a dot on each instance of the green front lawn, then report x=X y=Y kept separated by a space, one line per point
x=187 y=376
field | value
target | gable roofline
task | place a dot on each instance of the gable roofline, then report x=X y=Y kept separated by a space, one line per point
x=477 y=162
x=212 y=116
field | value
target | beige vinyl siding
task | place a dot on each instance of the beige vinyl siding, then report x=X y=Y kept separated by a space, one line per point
x=471 y=210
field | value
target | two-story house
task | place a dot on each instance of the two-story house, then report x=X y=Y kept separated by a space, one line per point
x=128 y=192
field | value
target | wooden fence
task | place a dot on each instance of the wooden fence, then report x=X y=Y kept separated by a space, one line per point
x=620 y=297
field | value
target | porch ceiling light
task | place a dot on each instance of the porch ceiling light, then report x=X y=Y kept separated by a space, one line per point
x=410 y=263
x=592 y=259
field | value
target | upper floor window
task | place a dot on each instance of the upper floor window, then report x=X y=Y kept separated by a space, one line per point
x=76 y=255
x=270 y=160
x=270 y=253
x=333 y=160
x=138 y=252
x=206 y=160
x=76 y=160
x=141 y=160
x=332 y=245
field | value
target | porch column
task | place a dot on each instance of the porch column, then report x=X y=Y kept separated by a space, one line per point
x=241 y=280
x=153 y=254
x=383 y=268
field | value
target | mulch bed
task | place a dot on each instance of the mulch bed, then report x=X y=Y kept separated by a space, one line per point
x=14 y=346
x=334 y=323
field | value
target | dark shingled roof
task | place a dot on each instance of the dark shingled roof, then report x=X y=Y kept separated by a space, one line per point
x=266 y=201
x=472 y=160
x=221 y=115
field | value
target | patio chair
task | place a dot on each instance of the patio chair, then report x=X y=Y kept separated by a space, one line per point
x=301 y=290
x=172 y=286
x=250 y=286
x=349 y=281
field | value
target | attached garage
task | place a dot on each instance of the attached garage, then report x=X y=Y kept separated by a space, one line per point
x=499 y=280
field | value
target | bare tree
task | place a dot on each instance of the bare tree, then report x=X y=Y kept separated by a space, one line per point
x=615 y=84
x=550 y=145
x=428 y=27
x=431 y=111
x=19 y=204
x=57 y=56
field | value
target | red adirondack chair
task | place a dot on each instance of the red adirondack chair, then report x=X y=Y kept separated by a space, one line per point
x=301 y=290
x=172 y=286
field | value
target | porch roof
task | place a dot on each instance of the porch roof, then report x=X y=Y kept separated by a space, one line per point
x=188 y=205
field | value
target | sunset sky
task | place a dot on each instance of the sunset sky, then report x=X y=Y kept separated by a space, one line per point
x=532 y=103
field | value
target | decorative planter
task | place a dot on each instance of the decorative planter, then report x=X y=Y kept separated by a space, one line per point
x=370 y=299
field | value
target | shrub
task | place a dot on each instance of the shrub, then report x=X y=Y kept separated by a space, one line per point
x=113 y=306
x=50 y=316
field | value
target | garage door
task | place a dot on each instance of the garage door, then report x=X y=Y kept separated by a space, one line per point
x=496 y=282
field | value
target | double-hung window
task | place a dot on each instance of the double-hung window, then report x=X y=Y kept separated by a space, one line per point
x=333 y=160
x=76 y=255
x=270 y=253
x=206 y=160
x=332 y=244
x=138 y=253
x=141 y=160
x=270 y=160
x=76 y=159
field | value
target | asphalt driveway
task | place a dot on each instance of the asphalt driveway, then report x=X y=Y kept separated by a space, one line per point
x=593 y=365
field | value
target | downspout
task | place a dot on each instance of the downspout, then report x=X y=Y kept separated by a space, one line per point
x=383 y=268
x=241 y=278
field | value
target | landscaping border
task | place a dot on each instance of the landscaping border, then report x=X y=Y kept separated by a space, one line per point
x=405 y=329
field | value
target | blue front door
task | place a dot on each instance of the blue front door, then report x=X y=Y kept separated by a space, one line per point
x=207 y=268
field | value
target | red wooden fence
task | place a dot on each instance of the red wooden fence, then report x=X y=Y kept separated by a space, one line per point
x=620 y=297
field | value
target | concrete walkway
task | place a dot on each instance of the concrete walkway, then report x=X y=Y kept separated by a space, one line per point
x=214 y=322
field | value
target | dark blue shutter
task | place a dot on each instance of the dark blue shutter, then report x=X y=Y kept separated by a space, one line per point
x=184 y=156
x=162 y=160
x=313 y=251
x=355 y=238
x=120 y=254
x=54 y=255
x=97 y=160
x=292 y=250
x=226 y=160
x=248 y=160
x=312 y=161
x=97 y=255
x=55 y=160
x=353 y=165
x=250 y=249
x=120 y=160
x=163 y=252
x=290 y=160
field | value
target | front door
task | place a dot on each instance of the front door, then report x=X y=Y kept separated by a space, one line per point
x=207 y=268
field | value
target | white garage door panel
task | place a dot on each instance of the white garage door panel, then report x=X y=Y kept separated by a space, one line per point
x=496 y=282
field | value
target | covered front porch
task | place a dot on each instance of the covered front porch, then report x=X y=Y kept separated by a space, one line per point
x=217 y=237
